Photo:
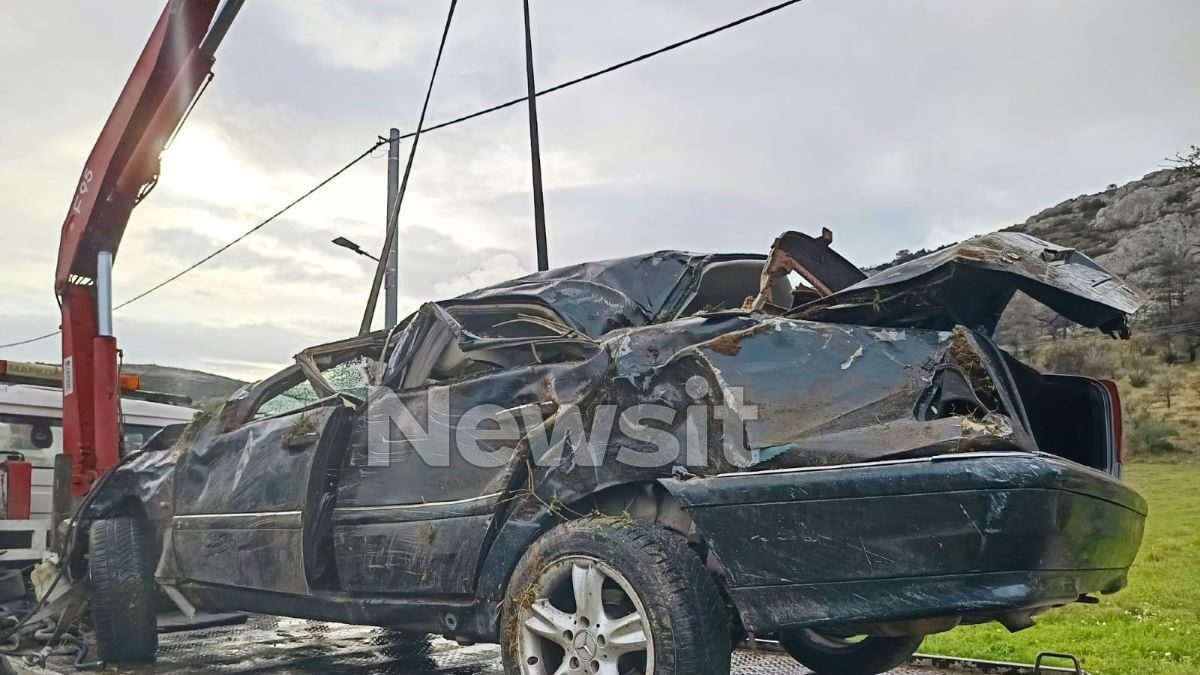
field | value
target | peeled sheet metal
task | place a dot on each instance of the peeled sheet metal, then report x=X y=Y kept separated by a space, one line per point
x=971 y=283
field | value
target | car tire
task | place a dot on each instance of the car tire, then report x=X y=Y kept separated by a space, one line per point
x=121 y=576
x=828 y=655
x=656 y=587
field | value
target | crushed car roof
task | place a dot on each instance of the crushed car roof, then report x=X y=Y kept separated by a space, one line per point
x=602 y=296
x=967 y=284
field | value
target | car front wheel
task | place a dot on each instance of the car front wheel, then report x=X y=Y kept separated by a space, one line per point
x=121 y=576
x=603 y=597
x=827 y=654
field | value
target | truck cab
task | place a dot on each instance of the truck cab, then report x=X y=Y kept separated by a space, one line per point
x=31 y=438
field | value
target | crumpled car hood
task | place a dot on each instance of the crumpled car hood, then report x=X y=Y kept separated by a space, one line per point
x=972 y=282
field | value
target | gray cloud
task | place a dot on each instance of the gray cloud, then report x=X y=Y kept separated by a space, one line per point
x=900 y=125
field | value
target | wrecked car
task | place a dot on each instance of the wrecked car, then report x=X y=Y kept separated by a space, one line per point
x=628 y=466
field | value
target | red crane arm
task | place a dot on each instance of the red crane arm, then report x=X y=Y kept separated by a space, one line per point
x=125 y=156
x=125 y=160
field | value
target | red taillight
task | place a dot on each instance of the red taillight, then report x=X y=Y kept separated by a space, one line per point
x=1114 y=397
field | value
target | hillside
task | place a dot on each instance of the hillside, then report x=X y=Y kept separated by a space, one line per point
x=203 y=388
x=1148 y=231
x=1121 y=226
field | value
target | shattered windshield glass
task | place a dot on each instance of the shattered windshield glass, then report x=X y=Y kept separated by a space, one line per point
x=350 y=378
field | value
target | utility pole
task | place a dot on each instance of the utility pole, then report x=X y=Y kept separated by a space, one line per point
x=391 y=278
x=394 y=209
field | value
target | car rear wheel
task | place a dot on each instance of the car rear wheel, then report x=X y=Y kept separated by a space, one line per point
x=121 y=575
x=596 y=597
x=829 y=654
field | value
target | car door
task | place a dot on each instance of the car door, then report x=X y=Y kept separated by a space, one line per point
x=409 y=519
x=252 y=501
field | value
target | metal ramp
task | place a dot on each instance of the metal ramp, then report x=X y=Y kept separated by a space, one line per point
x=284 y=646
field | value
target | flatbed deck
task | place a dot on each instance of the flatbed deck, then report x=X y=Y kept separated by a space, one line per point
x=283 y=646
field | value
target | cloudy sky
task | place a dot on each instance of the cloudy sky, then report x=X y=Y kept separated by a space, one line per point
x=897 y=124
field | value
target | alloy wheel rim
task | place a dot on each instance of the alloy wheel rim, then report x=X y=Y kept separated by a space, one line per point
x=582 y=617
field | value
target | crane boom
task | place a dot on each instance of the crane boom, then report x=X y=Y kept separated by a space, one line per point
x=123 y=164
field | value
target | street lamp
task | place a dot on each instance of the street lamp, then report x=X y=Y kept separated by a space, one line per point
x=346 y=243
x=391 y=296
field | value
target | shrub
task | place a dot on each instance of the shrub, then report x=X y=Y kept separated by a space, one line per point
x=1138 y=379
x=1150 y=434
x=1077 y=357
x=1142 y=345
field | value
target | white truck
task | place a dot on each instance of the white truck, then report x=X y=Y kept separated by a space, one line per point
x=31 y=430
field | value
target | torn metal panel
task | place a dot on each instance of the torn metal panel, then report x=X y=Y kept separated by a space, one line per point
x=805 y=393
x=145 y=480
x=971 y=283
x=810 y=257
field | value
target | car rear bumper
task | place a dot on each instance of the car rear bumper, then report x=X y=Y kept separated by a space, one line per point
x=974 y=535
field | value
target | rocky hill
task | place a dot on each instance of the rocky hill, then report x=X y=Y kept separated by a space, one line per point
x=1121 y=226
x=1148 y=231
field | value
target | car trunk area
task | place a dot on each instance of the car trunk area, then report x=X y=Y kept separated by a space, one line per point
x=1069 y=415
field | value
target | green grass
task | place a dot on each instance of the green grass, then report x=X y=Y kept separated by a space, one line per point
x=1150 y=628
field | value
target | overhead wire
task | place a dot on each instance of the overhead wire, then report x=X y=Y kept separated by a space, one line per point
x=39 y=338
x=612 y=68
x=441 y=125
x=223 y=247
x=248 y=232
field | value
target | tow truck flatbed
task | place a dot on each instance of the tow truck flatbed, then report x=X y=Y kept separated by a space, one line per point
x=283 y=646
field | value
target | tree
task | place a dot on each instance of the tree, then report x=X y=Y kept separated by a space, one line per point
x=1053 y=324
x=1189 y=317
x=1166 y=384
x=1188 y=161
x=1172 y=271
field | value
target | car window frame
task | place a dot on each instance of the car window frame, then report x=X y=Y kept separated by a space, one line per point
x=306 y=366
x=418 y=327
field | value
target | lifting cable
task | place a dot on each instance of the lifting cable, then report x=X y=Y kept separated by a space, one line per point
x=441 y=125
